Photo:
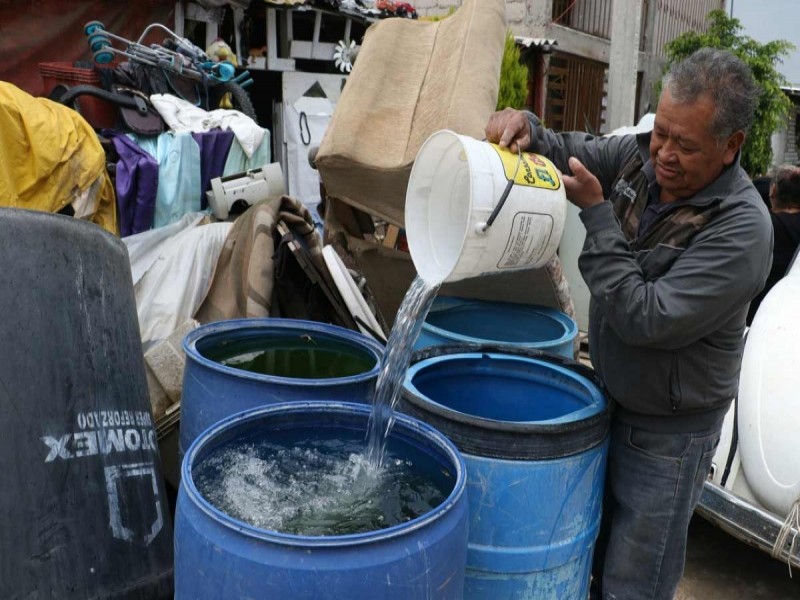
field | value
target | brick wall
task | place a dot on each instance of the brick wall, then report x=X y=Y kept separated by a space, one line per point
x=427 y=8
x=516 y=10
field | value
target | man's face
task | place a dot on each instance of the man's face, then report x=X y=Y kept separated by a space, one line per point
x=686 y=156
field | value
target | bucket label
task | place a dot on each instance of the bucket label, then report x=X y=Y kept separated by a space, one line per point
x=528 y=238
x=529 y=169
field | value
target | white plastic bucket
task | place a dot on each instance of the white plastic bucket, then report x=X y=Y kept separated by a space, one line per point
x=455 y=184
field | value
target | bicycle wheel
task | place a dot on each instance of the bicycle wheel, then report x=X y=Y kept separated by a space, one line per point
x=239 y=98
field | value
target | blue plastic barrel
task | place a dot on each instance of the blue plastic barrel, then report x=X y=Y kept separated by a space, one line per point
x=217 y=556
x=301 y=360
x=532 y=428
x=462 y=321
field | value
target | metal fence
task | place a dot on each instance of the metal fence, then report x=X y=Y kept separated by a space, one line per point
x=672 y=18
x=675 y=17
x=589 y=16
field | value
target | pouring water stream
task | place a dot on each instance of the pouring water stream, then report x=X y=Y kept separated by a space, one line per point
x=406 y=330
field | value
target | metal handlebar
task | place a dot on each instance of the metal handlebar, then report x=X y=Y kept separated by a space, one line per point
x=176 y=54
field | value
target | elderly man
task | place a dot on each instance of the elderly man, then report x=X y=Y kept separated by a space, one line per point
x=678 y=242
x=784 y=199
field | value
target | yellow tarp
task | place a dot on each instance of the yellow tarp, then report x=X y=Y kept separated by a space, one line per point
x=50 y=157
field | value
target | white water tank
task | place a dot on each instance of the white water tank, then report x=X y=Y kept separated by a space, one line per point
x=769 y=398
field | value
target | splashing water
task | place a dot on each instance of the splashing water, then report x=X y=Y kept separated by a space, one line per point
x=317 y=485
x=326 y=486
x=407 y=326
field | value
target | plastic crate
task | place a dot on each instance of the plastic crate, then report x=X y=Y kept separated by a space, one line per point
x=97 y=112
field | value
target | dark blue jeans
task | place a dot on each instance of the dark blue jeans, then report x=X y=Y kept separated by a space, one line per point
x=653 y=484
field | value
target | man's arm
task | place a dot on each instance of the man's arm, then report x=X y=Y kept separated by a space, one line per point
x=603 y=156
x=723 y=268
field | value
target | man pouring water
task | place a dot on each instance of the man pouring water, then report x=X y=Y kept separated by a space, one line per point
x=678 y=242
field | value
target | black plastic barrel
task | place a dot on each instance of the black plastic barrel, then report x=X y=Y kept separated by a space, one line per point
x=84 y=512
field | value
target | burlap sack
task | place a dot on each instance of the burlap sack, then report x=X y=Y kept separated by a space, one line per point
x=411 y=78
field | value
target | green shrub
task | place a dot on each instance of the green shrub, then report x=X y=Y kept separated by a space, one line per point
x=513 y=77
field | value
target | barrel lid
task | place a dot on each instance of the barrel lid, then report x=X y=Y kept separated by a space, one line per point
x=556 y=328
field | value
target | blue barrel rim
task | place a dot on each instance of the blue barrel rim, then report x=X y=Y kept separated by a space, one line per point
x=510 y=440
x=592 y=409
x=301 y=326
x=287 y=539
x=569 y=325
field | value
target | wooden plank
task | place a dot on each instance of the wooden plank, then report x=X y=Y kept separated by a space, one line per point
x=312 y=51
x=274 y=62
x=392 y=232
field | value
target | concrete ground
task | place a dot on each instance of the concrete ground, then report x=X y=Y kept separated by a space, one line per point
x=720 y=567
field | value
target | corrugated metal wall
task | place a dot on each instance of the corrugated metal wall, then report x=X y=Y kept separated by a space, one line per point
x=575 y=94
x=674 y=17
x=790 y=155
x=589 y=16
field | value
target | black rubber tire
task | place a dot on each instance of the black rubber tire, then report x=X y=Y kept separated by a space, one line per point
x=71 y=94
x=239 y=98
x=58 y=92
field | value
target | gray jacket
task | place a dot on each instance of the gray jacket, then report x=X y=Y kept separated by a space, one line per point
x=666 y=324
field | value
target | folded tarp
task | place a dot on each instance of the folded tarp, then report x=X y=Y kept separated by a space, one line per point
x=50 y=158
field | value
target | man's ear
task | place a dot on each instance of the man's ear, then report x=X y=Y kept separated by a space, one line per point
x=732 y=146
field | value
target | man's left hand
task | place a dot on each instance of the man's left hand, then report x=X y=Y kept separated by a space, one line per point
x=583 y=189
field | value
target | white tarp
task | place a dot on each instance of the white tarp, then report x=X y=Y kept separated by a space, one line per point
x=172 y=269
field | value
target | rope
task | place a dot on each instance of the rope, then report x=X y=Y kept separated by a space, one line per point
x=790 y=526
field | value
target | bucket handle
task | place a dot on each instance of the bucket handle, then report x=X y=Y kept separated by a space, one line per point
x=483 y=227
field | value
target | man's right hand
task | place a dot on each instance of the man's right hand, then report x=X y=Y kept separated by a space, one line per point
x=510 y=129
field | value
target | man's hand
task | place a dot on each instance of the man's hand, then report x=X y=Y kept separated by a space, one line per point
x=583 y=189
x=509 y=128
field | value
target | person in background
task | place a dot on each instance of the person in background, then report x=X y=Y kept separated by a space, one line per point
x=784 y=198
x=678 y=242
x=762 y=185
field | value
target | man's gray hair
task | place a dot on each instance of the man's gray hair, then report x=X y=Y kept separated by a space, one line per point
x=726 y=79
